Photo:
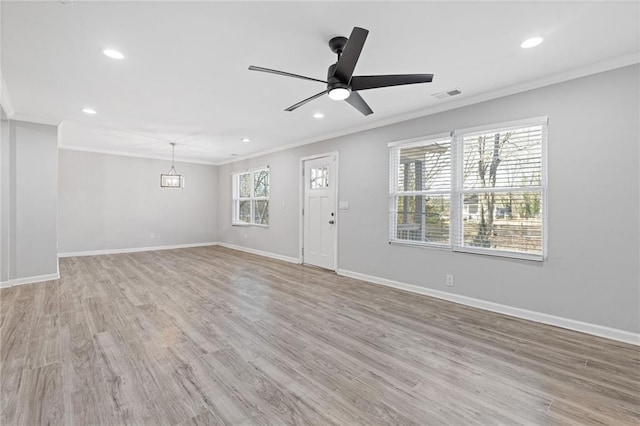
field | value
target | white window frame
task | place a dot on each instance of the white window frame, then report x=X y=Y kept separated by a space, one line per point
x=235 y=196
x=394 y=170
x=457 y=192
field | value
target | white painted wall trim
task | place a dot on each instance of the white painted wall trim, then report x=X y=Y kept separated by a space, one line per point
x=261 y=253
x=593 y=329
x=129 y=154
x=29 y=280
x=34 y=119
x=134 y=249
x=179 y=246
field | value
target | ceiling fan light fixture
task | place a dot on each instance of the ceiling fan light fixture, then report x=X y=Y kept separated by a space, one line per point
x=339 y=93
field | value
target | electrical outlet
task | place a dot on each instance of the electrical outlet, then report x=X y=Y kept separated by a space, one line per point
x=153 y=235
x=450 y=280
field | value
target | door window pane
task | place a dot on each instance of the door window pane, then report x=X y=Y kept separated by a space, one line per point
x=319 y=177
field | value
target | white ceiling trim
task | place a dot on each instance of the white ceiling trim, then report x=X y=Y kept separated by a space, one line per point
x=129 y=154
x=17 y=116
x=619 y=62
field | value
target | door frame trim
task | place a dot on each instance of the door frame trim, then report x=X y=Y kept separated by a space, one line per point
x=301 y=205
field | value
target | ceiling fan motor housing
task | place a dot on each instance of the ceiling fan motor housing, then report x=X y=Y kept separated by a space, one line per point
x=333 y=82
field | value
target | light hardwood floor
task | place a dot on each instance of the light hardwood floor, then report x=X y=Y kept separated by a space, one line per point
x=216 y=336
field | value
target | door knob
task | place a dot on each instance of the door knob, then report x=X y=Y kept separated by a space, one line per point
x=331 y=222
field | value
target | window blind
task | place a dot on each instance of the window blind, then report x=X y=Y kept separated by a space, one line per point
x=481 y=190
x=420 y=192
x=501 y=194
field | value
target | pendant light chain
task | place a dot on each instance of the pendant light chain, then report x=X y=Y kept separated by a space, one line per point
x=173 y=166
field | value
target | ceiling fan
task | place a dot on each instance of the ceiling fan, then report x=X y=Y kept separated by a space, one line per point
x=341 y=83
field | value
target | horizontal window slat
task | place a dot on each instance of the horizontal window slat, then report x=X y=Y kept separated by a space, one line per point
x=501 y=189
x=410 y=193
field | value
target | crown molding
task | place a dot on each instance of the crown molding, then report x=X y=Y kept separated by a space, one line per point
x=130 y=154
x=7 y=106
x=595 y=68
x=34 y=119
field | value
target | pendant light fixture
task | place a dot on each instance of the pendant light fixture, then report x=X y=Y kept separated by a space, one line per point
x=172 y=179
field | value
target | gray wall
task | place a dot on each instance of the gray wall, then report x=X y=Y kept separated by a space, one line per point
x=29 y=200
x=112 y=202
x=5 y=168
x=592 y=273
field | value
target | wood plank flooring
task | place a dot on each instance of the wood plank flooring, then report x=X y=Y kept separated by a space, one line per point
x=215 y=336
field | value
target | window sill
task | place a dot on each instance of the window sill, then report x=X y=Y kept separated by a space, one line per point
x=245 y=225
x=500 y=253
x=472 y=250
x=420 y=244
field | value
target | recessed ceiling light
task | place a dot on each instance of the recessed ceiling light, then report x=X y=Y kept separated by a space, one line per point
x=318 y=115
x=531 y=42
x=113 y=54
x=89 y=111
x=245 y=140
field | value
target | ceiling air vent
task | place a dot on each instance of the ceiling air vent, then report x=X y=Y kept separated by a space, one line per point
x=447 y=94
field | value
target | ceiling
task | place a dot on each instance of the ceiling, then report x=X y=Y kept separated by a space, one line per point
x=185 y=77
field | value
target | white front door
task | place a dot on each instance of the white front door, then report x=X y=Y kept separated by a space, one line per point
x=319 y=212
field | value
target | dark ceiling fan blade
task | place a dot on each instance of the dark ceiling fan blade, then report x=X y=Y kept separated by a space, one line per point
x=286 y=74
x=350 y=54
x=356 y=101
x=364 y=82
x=299 y=104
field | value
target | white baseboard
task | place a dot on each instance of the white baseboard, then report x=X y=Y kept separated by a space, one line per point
x=594 y=329
x=134 y=250
x=30 y=280
x=261 y=253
